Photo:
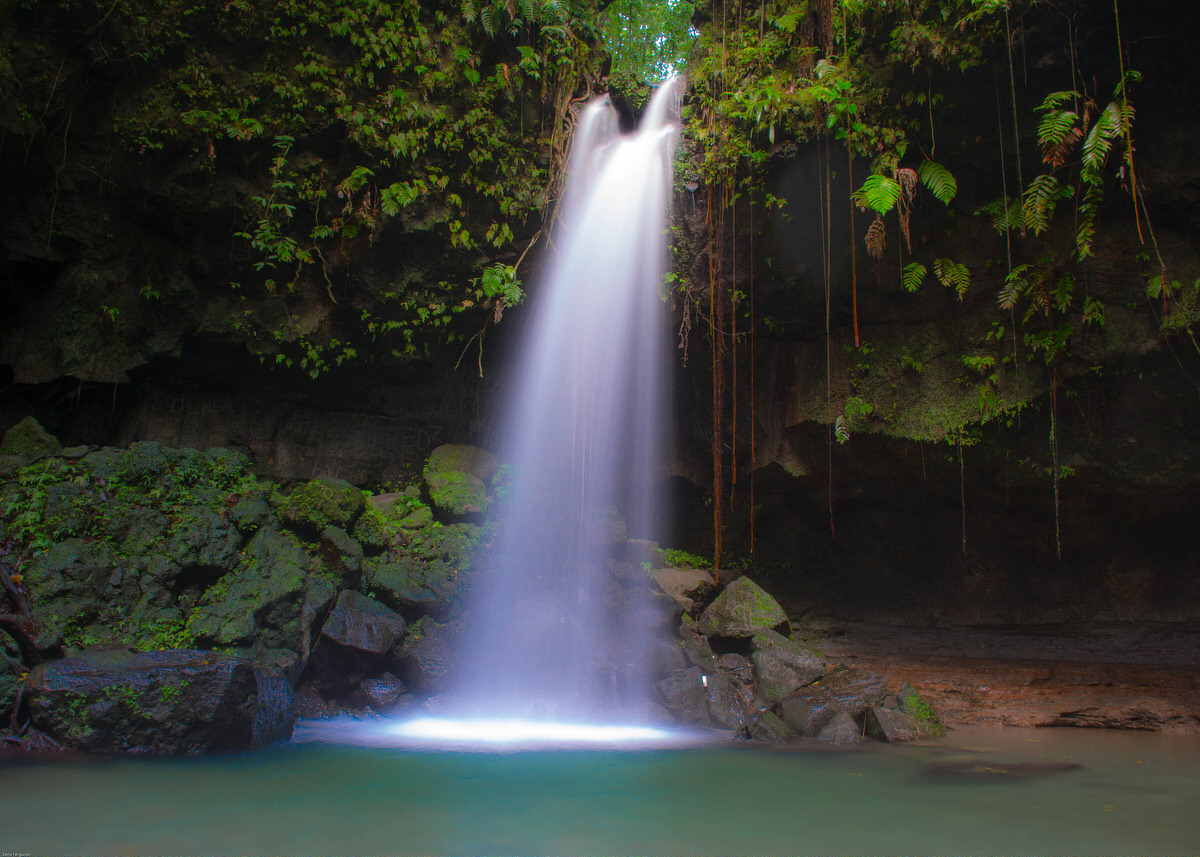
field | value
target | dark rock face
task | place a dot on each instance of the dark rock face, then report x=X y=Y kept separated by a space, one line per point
x=356 y=635
x=171 y=702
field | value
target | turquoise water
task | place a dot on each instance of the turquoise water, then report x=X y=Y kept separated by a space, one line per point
x=967 y=794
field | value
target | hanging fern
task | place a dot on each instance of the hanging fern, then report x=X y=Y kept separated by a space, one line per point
x=840 y=432
x=1099 y=140
x=952 y=275
x=1085 y=230
x=878 y=193
x=1007 y=214
x=876 y=237
x=1041 y=198
x=1015 y=285
x=1058 y=133
x=939 y=180
x=912 y=276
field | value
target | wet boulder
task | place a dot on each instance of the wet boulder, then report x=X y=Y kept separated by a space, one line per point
x=426 y=658
x=840 y=730
x=171 y=702
x=888 y=724
x=729 y=701
x=684 y=693
x=456 y=477
x=810 y=708
x=741 y=610
x=380 y=693
x=771 y=729
x=355 y=636
x=782 y=665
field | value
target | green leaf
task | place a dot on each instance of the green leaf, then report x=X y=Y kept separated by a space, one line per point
x=952 y=275
x=879 y=193
x=939 y=180
x=912 y=276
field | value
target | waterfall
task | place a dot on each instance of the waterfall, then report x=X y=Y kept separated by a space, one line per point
x=553 y=634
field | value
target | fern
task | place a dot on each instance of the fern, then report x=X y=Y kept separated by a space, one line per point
x=1054 y=100
x=1085 y=231
x=1041 y=198
x=1006 y=213
x=1014 y=286
x=939 y=180
x=1099 y=140
x=840 y=432
x=912 y=276
x=878 y=193
x=1057 y=135
x=952 y=275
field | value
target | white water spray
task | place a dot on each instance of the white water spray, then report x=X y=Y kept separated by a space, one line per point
x=553 y=635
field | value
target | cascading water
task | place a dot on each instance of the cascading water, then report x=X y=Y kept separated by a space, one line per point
x=551 y=634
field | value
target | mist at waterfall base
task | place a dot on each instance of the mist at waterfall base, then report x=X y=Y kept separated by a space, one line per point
x=553 y=649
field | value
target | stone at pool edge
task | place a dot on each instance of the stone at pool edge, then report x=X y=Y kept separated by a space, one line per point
x=322 y=502
x=111 y=699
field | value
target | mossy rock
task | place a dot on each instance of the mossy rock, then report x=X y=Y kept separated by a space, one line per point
x=323 y=502
x=456 y=477
x=741 y=610
x=27 y=441
x=413 y=586
x=910 y=701
x=269 y=601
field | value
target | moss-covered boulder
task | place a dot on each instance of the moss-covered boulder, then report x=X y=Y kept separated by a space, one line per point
x=457 y=476
x=273 y=600
x=322 y=502
x=166 y=702
x=910 y=701
x=414 y=586
x=26 y=442
x=741 y=610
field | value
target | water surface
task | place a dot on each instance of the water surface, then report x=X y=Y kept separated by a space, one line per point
x=980 y=791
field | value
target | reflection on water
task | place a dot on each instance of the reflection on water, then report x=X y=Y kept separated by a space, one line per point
x=979 y=791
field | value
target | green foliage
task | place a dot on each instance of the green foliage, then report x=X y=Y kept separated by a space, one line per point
x=436 y=121
x=938 y=180
x=649 y=40
x=912 y=276
x=675 y=558
x=878 y=193
x=952 y=275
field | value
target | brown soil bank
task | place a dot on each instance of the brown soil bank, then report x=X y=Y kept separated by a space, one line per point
x=1096 y=674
